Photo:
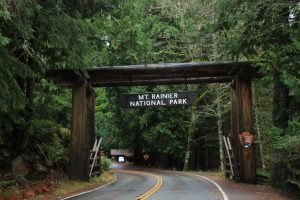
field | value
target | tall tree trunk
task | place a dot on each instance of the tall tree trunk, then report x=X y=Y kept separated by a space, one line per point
x=220 y=127
x=191 y=129
x=29 y=113
x=279 y=170
x=23 y=132
x=280 y=102
x=190 y=138
x=29 y=90
x=137 y=150
x=258 y=122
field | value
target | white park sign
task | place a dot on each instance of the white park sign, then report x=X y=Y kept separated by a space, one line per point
x=158 y=99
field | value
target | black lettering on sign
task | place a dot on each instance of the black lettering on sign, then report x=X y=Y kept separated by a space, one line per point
x=158 y=99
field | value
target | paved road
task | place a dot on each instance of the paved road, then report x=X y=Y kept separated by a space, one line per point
x=182 y=187
x=129 y=186
x=141 y=184
x=154 y=185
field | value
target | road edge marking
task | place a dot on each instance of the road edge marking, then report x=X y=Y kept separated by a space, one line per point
x=102 y=186
x=225 y=197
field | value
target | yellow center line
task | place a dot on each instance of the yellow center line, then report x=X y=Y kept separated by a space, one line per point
x=150 y=192
x=154 y=189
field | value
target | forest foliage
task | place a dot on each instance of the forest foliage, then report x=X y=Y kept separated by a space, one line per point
x=36 y=36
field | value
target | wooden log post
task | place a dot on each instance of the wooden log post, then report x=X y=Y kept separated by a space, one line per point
x=242 y=129
x=83 y=122
x=235 y=129
x=90 y=120
x=91 y=116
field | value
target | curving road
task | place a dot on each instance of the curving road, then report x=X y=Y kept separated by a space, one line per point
x=182 y=187
x=140 y=184
x=129 y=185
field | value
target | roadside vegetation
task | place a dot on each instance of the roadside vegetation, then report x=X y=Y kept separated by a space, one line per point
x=36 y=36
x=53 y=187
x=66 y=187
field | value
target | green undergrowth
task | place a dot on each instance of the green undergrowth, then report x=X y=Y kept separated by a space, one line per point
x=211 y=173
x=105 y=163
x=44 y=190
x=65 y=186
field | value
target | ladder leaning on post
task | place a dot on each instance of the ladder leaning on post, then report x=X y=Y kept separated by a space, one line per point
x=230 y=156
x=94 y=158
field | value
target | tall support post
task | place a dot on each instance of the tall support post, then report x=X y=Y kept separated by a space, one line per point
x=242 y=128
x=90 y=100
x=80 y=140
x=235 y=129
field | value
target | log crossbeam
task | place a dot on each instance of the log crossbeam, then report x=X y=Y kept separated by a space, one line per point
x=155 y=74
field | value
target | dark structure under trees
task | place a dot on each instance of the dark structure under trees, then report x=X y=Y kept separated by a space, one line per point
x=83 y=113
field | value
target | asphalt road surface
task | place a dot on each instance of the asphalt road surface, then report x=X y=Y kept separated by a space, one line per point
x=140 y=184
x=182 y=187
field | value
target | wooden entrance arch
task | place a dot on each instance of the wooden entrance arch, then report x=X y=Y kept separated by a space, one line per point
x=83 y=95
